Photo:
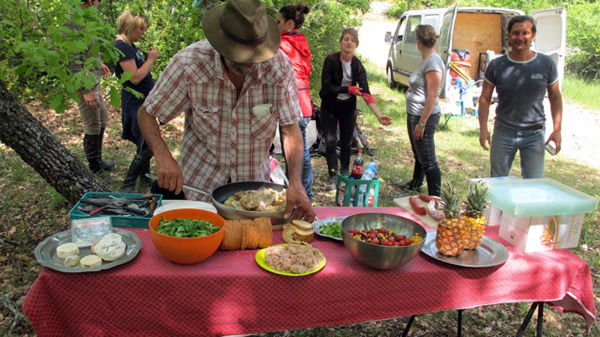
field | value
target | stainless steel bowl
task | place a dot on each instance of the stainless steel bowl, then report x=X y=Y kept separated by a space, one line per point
x=382 y=257
x=222 y=193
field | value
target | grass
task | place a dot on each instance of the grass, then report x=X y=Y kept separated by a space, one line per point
x=30 y=210
x=582 y=91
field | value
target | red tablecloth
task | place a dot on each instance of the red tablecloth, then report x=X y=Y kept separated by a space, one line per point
x=230 y=294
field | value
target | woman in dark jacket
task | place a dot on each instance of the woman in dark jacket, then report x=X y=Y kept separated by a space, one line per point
x=131 y=27
x=343 y=78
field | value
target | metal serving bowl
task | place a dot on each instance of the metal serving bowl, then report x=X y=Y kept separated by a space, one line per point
x=382 y=257
x=222 y=193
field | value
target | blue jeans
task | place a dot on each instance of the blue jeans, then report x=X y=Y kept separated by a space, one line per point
x=506 y=142
x=307 y=171
x=426 y=164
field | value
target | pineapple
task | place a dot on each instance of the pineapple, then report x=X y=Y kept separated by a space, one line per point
x=473 y=218
x=450 y=231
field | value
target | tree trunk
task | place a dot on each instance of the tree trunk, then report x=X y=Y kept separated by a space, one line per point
x=42 y=151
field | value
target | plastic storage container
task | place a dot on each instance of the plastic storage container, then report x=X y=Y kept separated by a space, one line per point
x=540 y=214
x=117 y=220
x=348 y=190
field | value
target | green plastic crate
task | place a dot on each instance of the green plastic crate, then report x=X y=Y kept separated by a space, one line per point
x=117 y=220
x=347 y=198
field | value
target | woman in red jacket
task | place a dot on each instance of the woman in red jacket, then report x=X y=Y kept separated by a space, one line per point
x=294 y=45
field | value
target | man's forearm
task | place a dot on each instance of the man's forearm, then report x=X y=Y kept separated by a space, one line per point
x=294 y=151
x=151 y=132
x=556 y=108
x=483 y=113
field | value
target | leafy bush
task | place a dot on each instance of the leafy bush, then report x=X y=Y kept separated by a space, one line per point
x=583 y=38
x=397 y=10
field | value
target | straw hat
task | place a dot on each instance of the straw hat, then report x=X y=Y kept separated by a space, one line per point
x=242 y=32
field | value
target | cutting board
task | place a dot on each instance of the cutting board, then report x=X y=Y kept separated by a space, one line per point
x=426 y=219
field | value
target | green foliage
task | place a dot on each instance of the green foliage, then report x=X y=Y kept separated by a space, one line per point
x=37 y=45
x=397 y=10
x=583 y=37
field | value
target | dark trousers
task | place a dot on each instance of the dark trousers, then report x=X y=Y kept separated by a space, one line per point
x=426 y=164
x=343 y=113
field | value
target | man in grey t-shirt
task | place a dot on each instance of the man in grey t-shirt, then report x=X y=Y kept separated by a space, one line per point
x=521 y=79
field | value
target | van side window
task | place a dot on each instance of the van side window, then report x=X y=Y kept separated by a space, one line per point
x=431 y=20
x=400 y=31
x=411 y=29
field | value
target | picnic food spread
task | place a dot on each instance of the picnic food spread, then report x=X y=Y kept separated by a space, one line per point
x=298 y=232
x=247 y=234
x=110 y=248
x=263 y=200
x=458 y=232
x=297 y=259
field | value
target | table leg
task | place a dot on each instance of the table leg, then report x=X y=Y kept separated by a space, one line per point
x=540 y=321
x=410 y=322
x=460 y=311
x=528 y=318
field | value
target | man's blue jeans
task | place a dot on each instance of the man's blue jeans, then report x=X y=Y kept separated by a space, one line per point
x=506 y=142
x=307 y=171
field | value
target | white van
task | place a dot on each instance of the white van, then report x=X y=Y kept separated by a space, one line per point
x=477 y=29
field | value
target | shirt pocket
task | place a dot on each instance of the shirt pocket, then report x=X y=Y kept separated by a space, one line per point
x=206 y=122
x=263 y=127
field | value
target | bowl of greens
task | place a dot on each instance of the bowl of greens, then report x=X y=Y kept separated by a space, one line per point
x=329 y=228
x=186 y=235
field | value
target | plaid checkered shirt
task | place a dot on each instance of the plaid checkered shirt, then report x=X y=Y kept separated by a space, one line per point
x=223 y=137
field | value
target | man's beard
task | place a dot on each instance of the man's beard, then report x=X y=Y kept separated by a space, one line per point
x=237 y=68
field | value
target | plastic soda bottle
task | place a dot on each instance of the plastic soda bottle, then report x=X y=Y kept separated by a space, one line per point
x=358 y=166
x=368 y=175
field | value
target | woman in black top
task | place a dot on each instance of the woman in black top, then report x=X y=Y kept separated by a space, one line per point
x=131 y=27
x=343 y=78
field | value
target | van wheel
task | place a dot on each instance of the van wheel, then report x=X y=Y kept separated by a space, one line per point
x=390 y=79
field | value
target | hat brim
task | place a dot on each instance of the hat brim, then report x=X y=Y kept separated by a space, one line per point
x=235 y=51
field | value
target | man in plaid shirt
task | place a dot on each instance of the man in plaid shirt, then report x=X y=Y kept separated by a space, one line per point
x=233 y=88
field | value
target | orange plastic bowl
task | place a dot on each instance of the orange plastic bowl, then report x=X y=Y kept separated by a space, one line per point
x=187 y=250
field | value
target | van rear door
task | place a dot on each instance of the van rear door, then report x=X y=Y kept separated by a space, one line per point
x=551 y=36
x=444 y=45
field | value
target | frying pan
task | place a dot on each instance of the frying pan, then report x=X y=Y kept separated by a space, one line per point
x=222 y=193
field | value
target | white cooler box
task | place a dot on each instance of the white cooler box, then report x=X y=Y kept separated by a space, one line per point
x=540 y=214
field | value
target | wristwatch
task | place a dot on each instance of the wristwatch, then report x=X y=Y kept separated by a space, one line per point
x=422 y=125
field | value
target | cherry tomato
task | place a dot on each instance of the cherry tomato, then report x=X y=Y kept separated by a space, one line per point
x=355 y=231
x=383 y=230
x=372 y=236
x=408 y=242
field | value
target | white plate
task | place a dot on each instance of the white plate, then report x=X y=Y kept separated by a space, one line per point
x=317 y=226
x=168 y=205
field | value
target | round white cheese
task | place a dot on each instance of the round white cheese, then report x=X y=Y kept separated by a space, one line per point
x=90 y=261
x=110 y=252
x=67 y=249
x=72 y=261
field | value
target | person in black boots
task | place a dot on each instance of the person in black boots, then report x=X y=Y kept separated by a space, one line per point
x=131 y=27
x=91 y=105
x=342 y=79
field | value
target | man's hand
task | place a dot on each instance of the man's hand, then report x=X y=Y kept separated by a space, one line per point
x=484 y=139
x=91 y=100
x=557 y=139
x=105 y=70
x=169 y=174
x=296 y=196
